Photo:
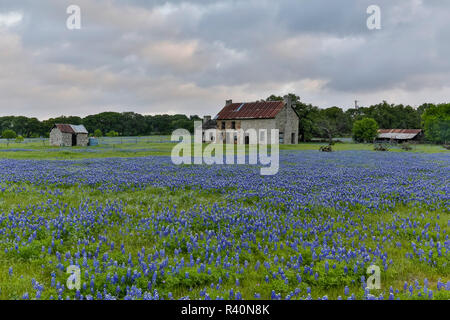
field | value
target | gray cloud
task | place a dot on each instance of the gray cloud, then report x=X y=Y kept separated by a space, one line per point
x=189 y=56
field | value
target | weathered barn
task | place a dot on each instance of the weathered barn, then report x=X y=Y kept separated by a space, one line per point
x=259 y=115
x=399 y=135
x=69 y=135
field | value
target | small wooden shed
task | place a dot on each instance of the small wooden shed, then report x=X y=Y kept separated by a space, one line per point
x=69 y=135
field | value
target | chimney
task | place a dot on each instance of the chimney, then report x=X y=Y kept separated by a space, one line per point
x=228 y=102
x=288 y=100
x=206 y=119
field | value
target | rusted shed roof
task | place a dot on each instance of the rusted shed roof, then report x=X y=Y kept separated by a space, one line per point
x=65 y=128
x=70 y=128
x=251 y=110
x=398 y=134
x=416 y=131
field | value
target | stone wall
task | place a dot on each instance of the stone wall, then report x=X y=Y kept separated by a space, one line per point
x=256 y=124
x=287 y=122
x=60 y=139
x=82 y=139
x=55 y=137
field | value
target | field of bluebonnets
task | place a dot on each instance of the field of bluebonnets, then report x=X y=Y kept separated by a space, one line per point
x=143 y=228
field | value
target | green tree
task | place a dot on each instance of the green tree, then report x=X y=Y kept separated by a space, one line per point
x=333 y=122
x=98 y=133
x=308 y=115
x=436 y=123
x=8 y=135
x=365 y=130
x=19 y=139
x=390 y=116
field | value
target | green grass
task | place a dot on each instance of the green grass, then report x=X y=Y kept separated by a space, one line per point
x=36 y=150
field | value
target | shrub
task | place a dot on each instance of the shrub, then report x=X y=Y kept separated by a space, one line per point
x=381 y=147
x=8 y=135
x=19 y=139
x=98 y=133
x=365 y=130
x=112 y=133
x=406 y=147
x=327 y=148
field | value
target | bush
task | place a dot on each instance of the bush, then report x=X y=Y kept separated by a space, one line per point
x=8 y=135
x=406 y=147
x=327 y=148
x=98 y=133
x=19 y=139
x=365 y=130
x=381 y=147
x=112 y=133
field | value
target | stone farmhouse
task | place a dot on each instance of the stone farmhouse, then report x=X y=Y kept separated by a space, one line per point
x=258 y=115
x=69 y=135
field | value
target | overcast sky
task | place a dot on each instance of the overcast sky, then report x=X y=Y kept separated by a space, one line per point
x=152 y=56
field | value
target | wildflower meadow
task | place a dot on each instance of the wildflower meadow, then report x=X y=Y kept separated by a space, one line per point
x=144 y=228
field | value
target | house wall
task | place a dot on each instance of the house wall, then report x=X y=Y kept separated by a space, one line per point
x=60 y=139
x=55 y=137
x=256 y=124
x=228 y=124
x=286 y=122
x=259 y=124
x=82 y=139
x=66 y=139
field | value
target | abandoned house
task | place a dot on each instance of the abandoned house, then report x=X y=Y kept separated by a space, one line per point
x=399 y=135
x=69 y=135
x=259 y=115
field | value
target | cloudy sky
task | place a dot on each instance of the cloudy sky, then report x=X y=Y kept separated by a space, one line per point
x=152 y=56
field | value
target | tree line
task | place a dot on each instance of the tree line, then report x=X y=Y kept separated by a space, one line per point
x=315 y=122
x=334 y=122
x=124 y=124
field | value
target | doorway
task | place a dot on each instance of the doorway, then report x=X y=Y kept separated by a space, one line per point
x=74 y=140
x=293 y=138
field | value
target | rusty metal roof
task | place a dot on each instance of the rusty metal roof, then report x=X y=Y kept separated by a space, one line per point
x=70 y=128
x=416 y=131
x=398 y=134
x=251 y=110
x=65 y=128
